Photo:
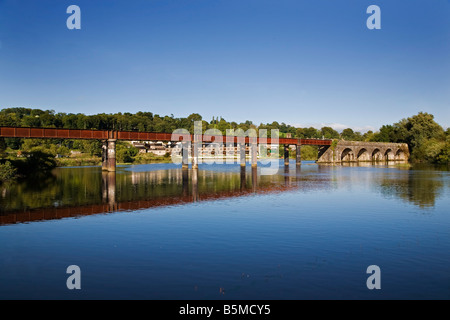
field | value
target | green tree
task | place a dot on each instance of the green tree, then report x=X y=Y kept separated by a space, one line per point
x=357 y=136
x=368 y=136
x=125 y=152
x=444 y=155
x=7 y=171
x=309 y=152
x=329 y=133
x=423 y=135
x=429 y=150
x=426 y=139
x=311 y=133
x=3 y=145
x=422 y=127
x=348 y=134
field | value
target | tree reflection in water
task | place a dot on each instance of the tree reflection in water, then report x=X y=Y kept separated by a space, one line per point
x=78 y=191
x=419 y=185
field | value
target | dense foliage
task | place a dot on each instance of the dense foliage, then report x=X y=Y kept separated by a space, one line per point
x=7 y=171
x=427 y=140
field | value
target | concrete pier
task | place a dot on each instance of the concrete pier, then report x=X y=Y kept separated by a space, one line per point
x=109 y=155
x=104 y=155
x=185 y=155
x=195 y=150
x=286 y=155
x=254 y=154
x=298 y=156
x=242 y=154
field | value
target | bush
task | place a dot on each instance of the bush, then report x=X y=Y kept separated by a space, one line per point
x=35 y=163
x=444 y=155
x=309 y=152
x=125 y=154
x=7 y=171
x=427 y=150
x=3 y=145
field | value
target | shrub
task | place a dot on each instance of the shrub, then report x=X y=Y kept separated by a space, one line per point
x=125 y=154
x=7 y=171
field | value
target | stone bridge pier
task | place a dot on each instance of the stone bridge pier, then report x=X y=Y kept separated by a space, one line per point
x=109 y=152
x=358 y=151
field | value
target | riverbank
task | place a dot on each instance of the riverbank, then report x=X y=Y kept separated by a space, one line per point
x=15 y=165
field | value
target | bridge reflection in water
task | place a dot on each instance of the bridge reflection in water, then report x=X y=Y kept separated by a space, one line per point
x=75 y=192
x=161 y=188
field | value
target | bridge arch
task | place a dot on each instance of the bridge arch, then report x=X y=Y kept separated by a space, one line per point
x=377 y=155
x=388 y=154
x=400 y=155
x=363 y=155
x=347 y=155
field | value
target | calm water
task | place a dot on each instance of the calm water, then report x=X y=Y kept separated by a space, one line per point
x=153 y=232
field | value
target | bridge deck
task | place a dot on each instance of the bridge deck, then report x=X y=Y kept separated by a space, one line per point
x=57 y=133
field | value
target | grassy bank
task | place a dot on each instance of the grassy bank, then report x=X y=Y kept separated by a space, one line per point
x=74 y=162
x=96 y=161
x=144 y=158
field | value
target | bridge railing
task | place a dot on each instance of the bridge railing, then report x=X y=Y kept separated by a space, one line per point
x=60 y=133
x=57 y=133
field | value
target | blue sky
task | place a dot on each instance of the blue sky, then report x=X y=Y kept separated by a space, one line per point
x=300 y=62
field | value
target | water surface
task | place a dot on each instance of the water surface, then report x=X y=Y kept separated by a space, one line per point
x=158 y=232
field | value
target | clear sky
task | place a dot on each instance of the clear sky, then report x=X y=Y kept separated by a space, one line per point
x=300 y=62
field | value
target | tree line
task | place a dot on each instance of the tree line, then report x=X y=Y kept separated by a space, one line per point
x=149 y=122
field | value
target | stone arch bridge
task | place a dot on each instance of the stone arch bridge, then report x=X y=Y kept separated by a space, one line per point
x=357 y=151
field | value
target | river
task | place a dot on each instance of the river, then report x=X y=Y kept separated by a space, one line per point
x=158 y=232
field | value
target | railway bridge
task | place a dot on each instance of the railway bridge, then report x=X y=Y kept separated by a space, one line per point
x=329 y=152
x=109 y=139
